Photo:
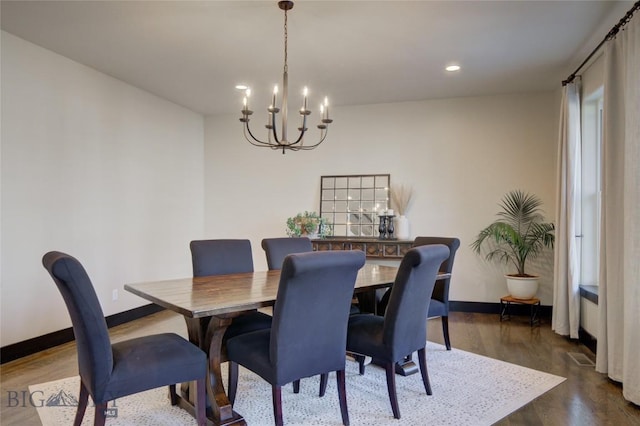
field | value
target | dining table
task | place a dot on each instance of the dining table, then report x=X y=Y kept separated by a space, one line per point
x=209 y=305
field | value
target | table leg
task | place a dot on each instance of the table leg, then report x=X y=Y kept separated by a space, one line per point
x=207 y=334
x=406 y=367
x=221 y=408
x=367 y=301
x=196 y=329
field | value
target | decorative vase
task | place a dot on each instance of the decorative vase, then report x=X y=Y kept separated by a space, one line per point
x=523 y=288
x=402 y=227
x=311 y=235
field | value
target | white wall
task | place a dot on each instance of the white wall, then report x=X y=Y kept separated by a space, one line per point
x=589 y=317
x=96 y=168
x=460 y=155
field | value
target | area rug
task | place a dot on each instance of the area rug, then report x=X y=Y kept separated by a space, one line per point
x=468 y=389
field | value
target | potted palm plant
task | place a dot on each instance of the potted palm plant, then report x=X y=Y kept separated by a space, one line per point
x=519 y=234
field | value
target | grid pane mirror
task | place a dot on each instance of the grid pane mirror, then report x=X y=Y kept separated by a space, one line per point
x=351 y=203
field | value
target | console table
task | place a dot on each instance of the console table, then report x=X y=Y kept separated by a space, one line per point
x=373 y=247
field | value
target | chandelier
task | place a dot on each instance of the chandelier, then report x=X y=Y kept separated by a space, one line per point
x=275 y=139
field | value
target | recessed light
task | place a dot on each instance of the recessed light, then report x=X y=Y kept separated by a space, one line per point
x=242 y=87
x=453 y=68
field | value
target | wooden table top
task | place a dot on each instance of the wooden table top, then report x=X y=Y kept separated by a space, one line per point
x=221 y=294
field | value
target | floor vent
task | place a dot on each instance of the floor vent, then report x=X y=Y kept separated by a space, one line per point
x=581 y=359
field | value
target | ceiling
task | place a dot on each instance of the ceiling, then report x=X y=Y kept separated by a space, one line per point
x=356 y=52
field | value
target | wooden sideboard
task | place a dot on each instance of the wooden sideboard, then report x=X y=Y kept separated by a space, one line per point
x=373 y=247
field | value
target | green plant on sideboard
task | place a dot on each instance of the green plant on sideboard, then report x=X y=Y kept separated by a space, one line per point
x=308 y=224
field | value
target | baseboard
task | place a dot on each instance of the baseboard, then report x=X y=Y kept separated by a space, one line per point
x=47 y=341
x=494 y=308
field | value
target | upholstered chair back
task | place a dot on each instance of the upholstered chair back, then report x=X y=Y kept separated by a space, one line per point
x=276 y=249
x=310 y=338
x=95 y=357
x=405 y=317
x=221 y=257
x=451 y=242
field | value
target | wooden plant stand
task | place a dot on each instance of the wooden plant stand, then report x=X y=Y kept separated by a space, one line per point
x=506 y=301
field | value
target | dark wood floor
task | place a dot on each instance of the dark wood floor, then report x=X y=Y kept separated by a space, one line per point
x=585 y=398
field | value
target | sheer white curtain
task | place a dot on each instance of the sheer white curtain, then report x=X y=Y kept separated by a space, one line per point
x=619 y=293
x=566 y=291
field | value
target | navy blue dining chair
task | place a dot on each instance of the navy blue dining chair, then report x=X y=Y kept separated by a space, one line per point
x=276 y=249
x=223 y=257
x=110 y=371
x=306 y=339
x=403 y=329
x=439 y=306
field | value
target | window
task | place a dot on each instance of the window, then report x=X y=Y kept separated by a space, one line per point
x=590 y=188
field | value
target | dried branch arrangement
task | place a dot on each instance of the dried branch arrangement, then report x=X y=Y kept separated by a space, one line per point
x=400 y=198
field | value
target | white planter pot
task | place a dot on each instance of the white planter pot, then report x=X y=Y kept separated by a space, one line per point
x=402 y=228
x=523 y=288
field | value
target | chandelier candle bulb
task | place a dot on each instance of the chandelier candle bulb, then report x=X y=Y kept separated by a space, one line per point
x=304 y=103
x=275 y=93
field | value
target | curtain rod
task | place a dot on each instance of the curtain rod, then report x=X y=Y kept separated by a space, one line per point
x=610 y=35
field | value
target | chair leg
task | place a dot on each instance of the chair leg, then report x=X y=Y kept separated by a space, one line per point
x=391 y=388
x=361 y=365
x=101 y=414
x=296 y=386
x=422 y=358
x=342 y=394
x=82 y=404
x=445 y=332
x=233 y=381
x=201 y=402
x=173 y=396
x=324 y=378
x=276 y=394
